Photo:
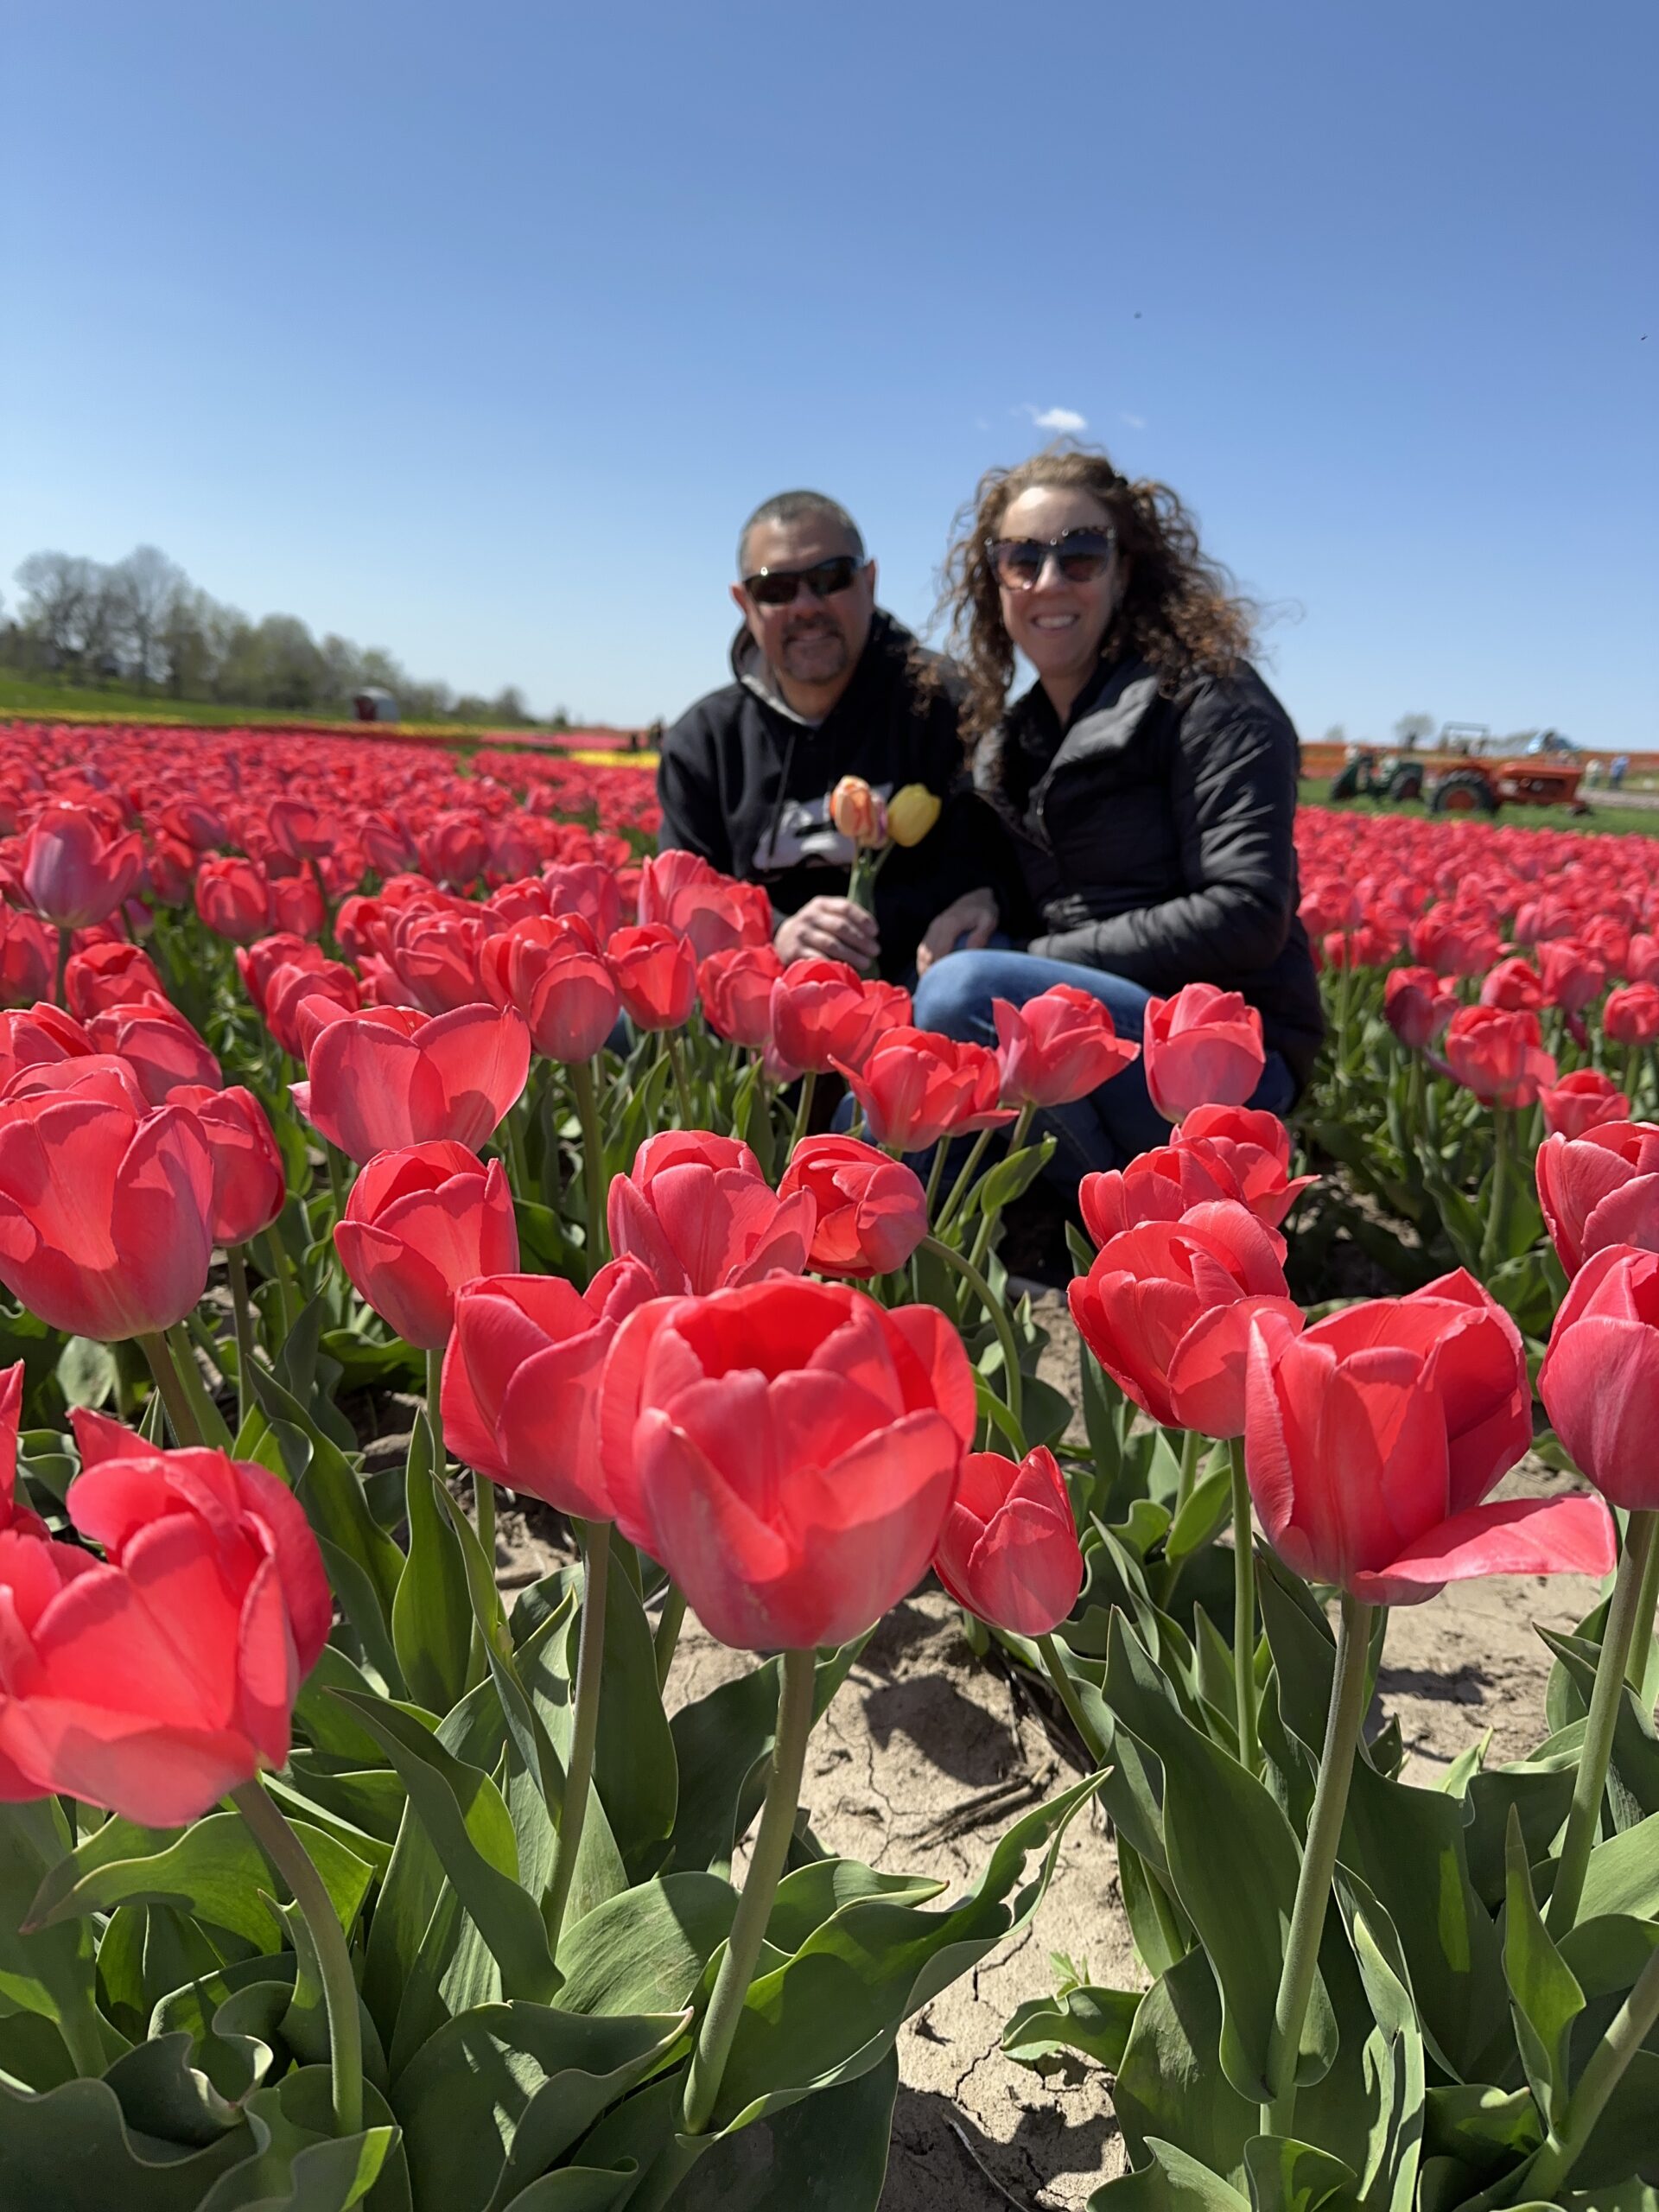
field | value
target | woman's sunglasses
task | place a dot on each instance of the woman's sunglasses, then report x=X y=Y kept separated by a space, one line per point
x=1081 y=556
x=777 y=587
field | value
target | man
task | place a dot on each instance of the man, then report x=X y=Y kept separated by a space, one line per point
x=826 y=685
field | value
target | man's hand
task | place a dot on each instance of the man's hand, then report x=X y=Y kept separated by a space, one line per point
x=966 y=925
x=829 y=928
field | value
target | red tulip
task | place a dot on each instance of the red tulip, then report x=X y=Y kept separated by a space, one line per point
x=38 y=1035
x=1009 y=1549
x=1599 y=1381
x=1372 y=1440
x=585 y=887
x=327 y=983
x=294 y=904
x=1515 y=985
x=105 y=975
x=871 y=1210
x=521 y=1381
x=736 y=987
x=157 y=1680
x=391 y=1076
x=75 y=869
x=1202 y=1047
x=21 y=1520
x=27 y=958
x=1631 y=1015
x=1641 y=962
x=916 y=1087
x=419 y=1223
x=1452 y=945
x=1582 y=1101
x=1498 y=1055
x=258 y=963
x=698 y=1214
x=435 y=956
x=1166 y=1309
x=249 y=1185
x=656 y=973
x=788 y=1451
x=1574 y=975
x=1599 y=1189
x=694 y=899
x=453 y=850
x=825 y=1015
x=1058 y=1046
x=554 y=973
x=1250 y=1149
x=104 y=1208
x=157 y=1044
x=1417 y=1004
x=302 y=830
x=233 y=898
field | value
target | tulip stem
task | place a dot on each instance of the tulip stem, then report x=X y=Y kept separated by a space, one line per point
x=291 y=1859
x=1626 y=2032
x=1583 y=1820
x=1244 y=1612
x=1187 y=1480
x=1636 y=1667
x=999 y=1318
x=65 y=938
x=584 y=1728
x=796 y=1701
x=180 y=1413
x=935 y=1171
x=683 y=1089
x=964 y=1182
x=803 y=1108
x=667 y=1637
x=1494 y=1243
x=1067 y=1689
x=336 y=1179
x=236 y=1268
x=281 y=1272
x=1342 y=1729
x=989 y=1215
x=210 y=1422
x=593 y=1161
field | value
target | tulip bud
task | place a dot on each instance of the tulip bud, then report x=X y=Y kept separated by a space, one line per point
x=911 y=812
x=1009 y=1549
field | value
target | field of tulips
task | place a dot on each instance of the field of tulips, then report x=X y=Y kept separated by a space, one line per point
x=404 y=1175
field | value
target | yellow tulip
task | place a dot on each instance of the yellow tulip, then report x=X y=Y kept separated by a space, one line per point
x=912 y=813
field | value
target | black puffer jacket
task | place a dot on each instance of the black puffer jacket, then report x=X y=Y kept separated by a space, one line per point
x=745 y=782
x=1156 y=838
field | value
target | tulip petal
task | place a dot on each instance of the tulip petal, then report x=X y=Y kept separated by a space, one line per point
x=1527 y=1536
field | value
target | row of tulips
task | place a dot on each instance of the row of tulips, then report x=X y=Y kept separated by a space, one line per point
x=509 y=1965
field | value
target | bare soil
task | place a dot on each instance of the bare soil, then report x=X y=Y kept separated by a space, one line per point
x=928 y=1755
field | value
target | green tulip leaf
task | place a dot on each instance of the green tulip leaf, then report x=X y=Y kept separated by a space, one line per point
x=835 y=2008
x=1240 y=1901
x=1540 y=1795
x=1172 y=2180
x=431 y=1610
x=826 y=2153
x=1285 y=2176
x=72 y=2150
x=1044 y=2033
x=1623 y=1875
x=85 y=1372
x=521 y=2077
x=48 y=1971
x=299 y=2164
x=1633 y=1770
x=576 y=2189
x=1545 y=1997
x=214 y=1871
x=470 y=1831
x=645 y=1950
x=332 y=1492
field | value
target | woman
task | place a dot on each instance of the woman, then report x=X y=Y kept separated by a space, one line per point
x=1148 y=777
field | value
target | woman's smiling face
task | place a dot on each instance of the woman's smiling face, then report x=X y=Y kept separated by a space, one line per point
x=1057 y=624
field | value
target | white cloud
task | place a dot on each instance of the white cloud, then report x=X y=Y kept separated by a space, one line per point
x=1134 y=422
x=1056 y=418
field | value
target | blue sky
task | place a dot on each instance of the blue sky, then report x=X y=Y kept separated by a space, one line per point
x=475 y=333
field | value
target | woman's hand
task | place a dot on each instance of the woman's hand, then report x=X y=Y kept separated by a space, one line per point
x=965 y=925
x=829 y=928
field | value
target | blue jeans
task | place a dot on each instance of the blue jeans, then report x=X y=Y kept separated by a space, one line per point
x=1113 y=1124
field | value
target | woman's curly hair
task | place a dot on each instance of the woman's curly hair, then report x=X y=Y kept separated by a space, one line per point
x=1180 y=612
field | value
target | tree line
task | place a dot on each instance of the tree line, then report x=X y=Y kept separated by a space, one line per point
x=140 y=622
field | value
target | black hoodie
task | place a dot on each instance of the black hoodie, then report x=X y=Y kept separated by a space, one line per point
x=744 y=781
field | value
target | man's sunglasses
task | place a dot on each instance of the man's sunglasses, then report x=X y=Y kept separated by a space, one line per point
x=1081 y=556
x=777 y=587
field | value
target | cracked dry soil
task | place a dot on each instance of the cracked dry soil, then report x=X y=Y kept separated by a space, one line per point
x=927 y=1757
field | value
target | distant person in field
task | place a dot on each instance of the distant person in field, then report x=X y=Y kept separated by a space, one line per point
x=1147 y=778
x=826 y=685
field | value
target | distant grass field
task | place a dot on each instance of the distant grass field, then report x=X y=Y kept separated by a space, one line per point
x=1617 y=821
x=38 y=696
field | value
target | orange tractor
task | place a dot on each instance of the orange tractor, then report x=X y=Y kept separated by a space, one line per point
x=1467 y=771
